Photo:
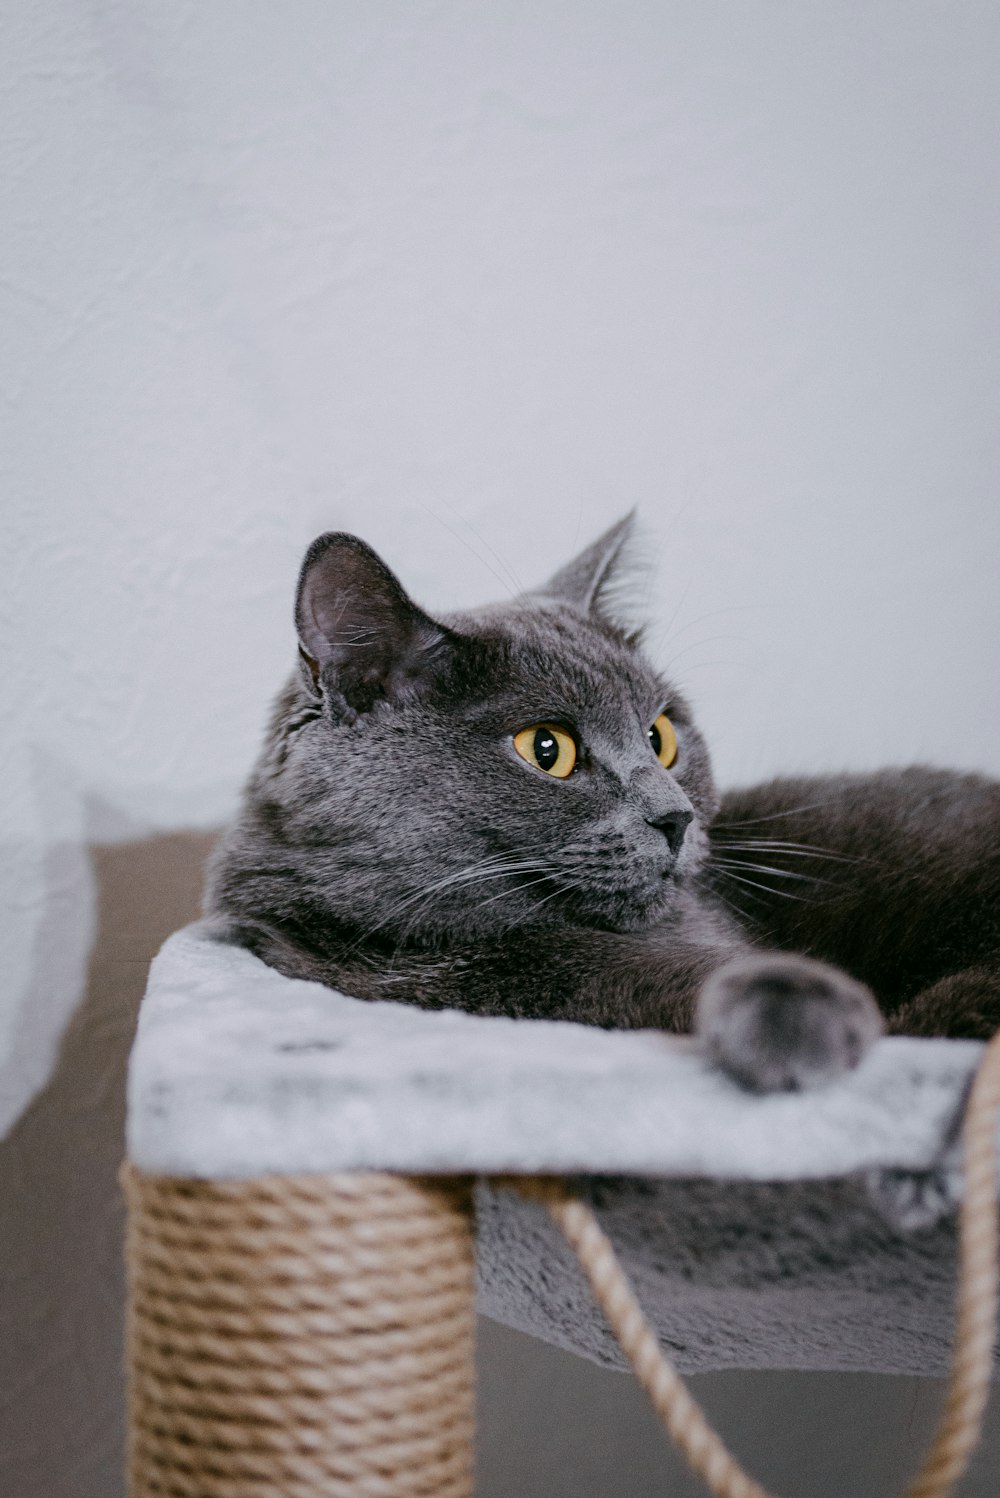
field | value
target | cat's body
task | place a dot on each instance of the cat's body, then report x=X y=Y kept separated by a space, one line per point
x=396 y=842
x=910 y=904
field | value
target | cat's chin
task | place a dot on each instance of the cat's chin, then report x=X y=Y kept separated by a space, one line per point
x=629 y=910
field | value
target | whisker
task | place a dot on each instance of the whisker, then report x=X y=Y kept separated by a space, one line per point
x=504 y=583
x=494 y=866
x=737 y=608
x=785 y=894
x=468 y=877
x=765 y=868
x=681 y=677
x=505 y=893
x=696 y=645
x=734 y=909
x=776 y=815
x=500 y=561
x=665 y=638
x=787 y=850
x=480 y=878
x=563 y=887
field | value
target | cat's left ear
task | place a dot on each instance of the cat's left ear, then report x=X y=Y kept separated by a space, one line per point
x=361 y=636
x=589 y=580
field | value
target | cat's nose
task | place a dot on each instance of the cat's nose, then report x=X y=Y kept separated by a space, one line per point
x=673 y=825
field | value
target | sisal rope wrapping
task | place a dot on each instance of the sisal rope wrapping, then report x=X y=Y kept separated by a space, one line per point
x=312 y=1335
x=978 y=1280
x=975 y=1332
x=300 y=1335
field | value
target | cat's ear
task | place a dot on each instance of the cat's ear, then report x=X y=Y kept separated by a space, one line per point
x=360 y=635
x=589 y=580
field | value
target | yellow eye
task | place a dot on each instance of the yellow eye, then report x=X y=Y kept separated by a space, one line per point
x=547 y=748
x=664 y=741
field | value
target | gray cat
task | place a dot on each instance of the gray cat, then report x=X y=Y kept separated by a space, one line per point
x=510 y=811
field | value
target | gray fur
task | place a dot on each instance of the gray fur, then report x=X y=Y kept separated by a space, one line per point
x=393 y=845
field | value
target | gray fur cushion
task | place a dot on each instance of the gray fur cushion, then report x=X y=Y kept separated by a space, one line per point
x=745 y=1222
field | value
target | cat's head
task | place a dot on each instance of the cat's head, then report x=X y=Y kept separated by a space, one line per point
x=521 y=764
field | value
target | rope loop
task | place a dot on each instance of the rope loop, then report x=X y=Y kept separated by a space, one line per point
x=961 y=1419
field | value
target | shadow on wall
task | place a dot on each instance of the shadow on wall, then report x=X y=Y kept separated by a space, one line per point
x=62 y=1220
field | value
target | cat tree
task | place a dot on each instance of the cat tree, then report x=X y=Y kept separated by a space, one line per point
x=308 y=1176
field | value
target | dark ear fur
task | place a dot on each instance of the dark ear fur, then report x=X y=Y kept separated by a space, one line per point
x=360 y=634
x=589 y=580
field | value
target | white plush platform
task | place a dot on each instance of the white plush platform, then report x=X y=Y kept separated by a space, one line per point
x=762 y=1250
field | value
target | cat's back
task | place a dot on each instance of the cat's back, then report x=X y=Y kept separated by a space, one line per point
x=918 y=807
x=892 y=874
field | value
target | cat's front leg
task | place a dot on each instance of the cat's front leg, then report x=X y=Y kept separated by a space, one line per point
x=779 y=1022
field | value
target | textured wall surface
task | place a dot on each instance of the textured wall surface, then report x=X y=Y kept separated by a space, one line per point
x=471 y=281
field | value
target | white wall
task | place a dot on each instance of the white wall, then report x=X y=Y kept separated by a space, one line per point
x=471 y=280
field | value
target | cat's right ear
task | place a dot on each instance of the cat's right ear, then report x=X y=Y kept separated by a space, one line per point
x=361 y=637
x=589 y=580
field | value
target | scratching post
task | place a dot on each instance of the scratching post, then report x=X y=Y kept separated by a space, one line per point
x=298 y=1336
x=300 y=1228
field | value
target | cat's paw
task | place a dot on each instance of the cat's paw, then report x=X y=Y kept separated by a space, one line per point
x=914 y=1200
x=917 y=1200
x=778 y=1023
